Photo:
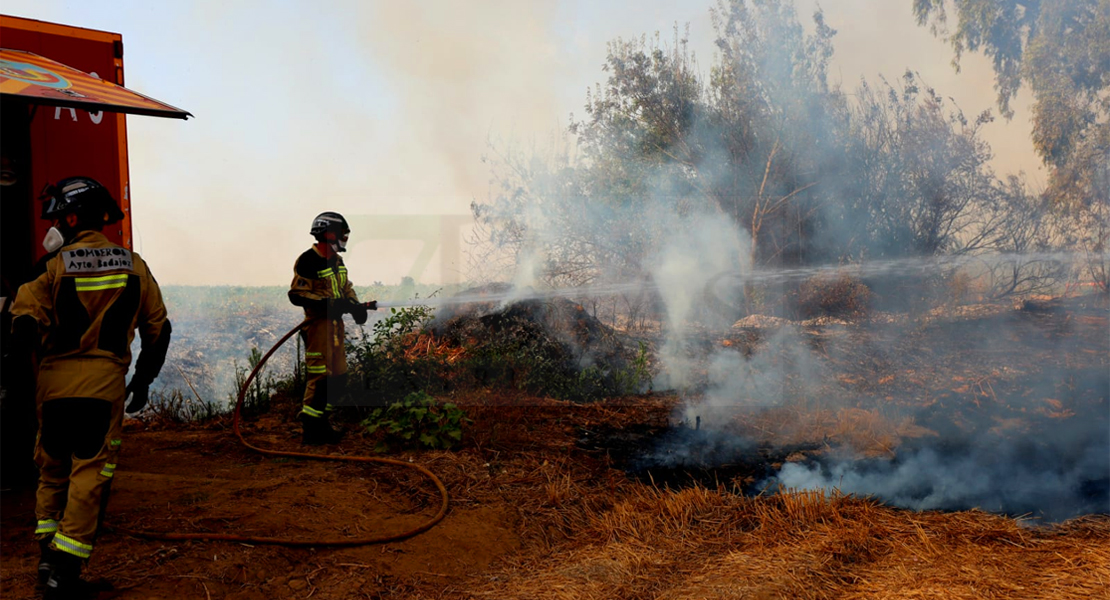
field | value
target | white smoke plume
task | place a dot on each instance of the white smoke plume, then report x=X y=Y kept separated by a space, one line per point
x=696 y=248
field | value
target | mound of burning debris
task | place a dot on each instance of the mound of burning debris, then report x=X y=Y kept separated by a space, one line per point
x=549 y=346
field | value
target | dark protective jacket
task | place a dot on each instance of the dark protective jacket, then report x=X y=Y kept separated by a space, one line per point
x=316 y=280
x=86 y=307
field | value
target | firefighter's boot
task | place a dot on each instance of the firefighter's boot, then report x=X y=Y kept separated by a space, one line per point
x=317 y=431
x=64 y=581
x=47 y=561
x=333 y=436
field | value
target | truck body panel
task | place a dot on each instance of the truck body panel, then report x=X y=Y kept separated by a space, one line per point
x=66 y=142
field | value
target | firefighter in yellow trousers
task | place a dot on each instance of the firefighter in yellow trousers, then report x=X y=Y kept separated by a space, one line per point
x=320 y=286
x=80 y=317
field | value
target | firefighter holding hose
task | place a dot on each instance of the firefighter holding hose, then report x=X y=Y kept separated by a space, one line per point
x=320 y=286
x=79 y=317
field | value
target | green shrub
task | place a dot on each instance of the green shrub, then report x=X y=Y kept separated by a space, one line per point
x=417 y=421
x=636 y=379
x=516 y=353
x=381 y=362
x=551 y=348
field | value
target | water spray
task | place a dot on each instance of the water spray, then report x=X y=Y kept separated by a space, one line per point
x=512 y=295
x=919 y=266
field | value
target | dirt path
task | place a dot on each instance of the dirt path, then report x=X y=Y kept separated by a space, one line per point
x=201 y=481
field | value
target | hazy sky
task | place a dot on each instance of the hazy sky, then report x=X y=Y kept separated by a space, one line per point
x=386 y=108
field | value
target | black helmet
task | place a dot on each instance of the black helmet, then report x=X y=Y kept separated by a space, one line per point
x=79 y=194
x=329 y=221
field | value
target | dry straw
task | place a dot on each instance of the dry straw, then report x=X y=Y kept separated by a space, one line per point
x=698 y=543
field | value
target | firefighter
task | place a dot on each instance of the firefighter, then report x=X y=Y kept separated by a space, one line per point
x=79 y=317
x=320 y=286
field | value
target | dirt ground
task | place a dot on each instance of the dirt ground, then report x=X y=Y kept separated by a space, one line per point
x=545 y=504
x=202 y=480
x=175 y=478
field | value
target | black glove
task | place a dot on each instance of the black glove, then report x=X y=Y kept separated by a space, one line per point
x=358 y=311
x=24 y=342
x=139 y=395
x=371 y=305
x=19 y=362
x=337 y=307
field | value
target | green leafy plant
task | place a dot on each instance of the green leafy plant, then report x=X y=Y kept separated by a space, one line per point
x=637 y=377
x=390 y=331
x=379 y=359
x=417 y=421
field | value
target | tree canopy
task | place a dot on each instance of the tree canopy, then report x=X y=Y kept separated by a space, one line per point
x=1060 y=49
x=763 y=143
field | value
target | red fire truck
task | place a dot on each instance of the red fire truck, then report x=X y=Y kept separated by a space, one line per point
x=62 y=114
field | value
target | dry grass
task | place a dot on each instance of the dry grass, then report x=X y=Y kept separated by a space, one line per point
x=698 y=543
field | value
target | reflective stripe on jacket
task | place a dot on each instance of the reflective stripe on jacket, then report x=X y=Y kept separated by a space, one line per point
x=318 y=278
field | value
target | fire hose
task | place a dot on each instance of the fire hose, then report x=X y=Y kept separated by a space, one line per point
x=362 y=541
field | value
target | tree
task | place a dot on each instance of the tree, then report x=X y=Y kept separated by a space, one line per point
x=760 y=144
x=746 y=144
x=776 y=123
x=660 y=141
x=1061 y=50
x=917 y=180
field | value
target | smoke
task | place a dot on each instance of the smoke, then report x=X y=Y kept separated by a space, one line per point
x=214 y=332
x=1052 y=466
x=457 y=75
x=698 y=247
x=1053 y=479
x=1028 y=434
x=767 y=180
x=385 y=108
x=783 y=369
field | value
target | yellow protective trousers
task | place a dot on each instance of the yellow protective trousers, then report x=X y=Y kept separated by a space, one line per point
x=76 y=451
x=325 y=356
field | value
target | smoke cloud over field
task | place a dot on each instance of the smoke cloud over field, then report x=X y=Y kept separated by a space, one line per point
x=385 y=108
x=769 y=167
x=1041 y=474
x=767 y=153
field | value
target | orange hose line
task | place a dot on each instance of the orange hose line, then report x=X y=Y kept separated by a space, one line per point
x=364 y=541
